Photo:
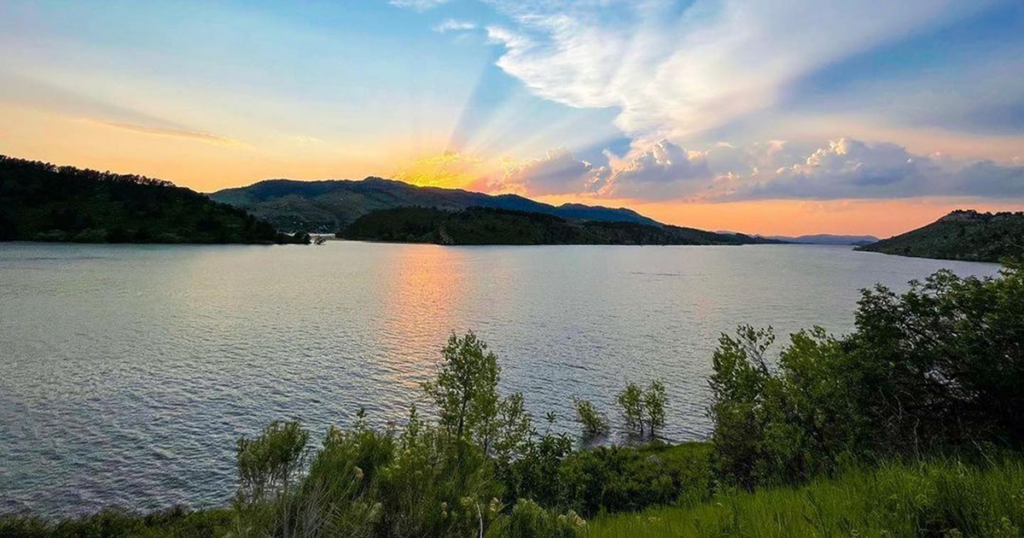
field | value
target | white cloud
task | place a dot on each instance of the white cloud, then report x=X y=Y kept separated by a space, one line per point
x=678 y=72
x=453 y=25
x=664 y=171
x=418 y=5
x=850 y=168
x=845 y=168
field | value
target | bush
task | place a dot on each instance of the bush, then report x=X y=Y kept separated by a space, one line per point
x=529 y=520
x=615 y=479
x=267 y=463
x=937 y=368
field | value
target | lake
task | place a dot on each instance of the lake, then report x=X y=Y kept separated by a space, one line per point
x=127 y=371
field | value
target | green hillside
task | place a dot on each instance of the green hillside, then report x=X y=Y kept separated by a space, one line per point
x=961 y=235
x=43 y=202
x=484 y=226
x=329 y=206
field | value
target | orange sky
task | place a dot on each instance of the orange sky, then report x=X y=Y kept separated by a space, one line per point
x=881 y=218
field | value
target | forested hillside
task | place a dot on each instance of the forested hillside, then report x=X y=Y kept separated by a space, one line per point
x=329 y=206
x=43 y=202
x=961 y=235
x=483 y=226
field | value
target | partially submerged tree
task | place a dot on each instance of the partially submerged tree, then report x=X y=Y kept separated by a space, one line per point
x=587 y=415
x=631 y=399
x=654 y=404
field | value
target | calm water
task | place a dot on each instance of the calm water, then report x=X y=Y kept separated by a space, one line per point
x=127 y=372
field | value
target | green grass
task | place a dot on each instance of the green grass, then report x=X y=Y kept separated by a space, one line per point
x=172 y=523
x=937 y=498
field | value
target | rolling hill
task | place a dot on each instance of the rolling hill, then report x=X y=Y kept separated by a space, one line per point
x=961 y=235
x=331 y=205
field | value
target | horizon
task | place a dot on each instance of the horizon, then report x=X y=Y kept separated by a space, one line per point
x=706 y=114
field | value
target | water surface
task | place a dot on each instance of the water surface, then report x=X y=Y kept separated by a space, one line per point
x=127 y=372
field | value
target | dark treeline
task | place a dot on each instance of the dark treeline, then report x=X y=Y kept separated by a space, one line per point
x=929 y=374
x=489 y=226
x=43 y=202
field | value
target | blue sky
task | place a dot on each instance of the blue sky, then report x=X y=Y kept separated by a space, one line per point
x=650 y=103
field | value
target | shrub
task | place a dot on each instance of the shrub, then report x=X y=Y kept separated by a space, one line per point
x=938 y=367
x=530 y=520
x=614 y=479
x=267 y=463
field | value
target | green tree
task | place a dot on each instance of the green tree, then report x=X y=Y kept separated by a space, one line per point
x=466 y=389
x=631 y=399
x=654 y=404
x=587 y=415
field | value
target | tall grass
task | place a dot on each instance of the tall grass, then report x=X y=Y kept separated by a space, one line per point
x=933 y=498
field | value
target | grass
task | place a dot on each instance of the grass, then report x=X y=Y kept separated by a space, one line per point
x=935 y=498
x=171 y=523
x=939 y=497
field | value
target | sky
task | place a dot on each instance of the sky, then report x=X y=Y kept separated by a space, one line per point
x=760 y=116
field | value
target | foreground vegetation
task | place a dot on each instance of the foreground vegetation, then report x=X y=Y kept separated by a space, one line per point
x=961 y=235
x=43 y=202
x=943 y=497
x=908 y=426
x=487 y=226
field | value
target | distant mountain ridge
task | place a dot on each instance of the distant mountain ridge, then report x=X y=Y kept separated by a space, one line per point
x=961 y=235
x=328 y=206
x=828 y=239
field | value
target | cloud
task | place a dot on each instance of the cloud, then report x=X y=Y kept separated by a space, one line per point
x=676 y=72
x=174 y=133
x=664 y=171
x=844 y=168
x=558 y=172
x=418 y=5
x=453 y=25
x=850 y=168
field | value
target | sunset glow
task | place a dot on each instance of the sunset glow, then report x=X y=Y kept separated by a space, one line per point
x=669 y=108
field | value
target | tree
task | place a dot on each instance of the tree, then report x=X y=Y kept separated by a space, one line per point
x=631 y=399
x=593 y=423
x=654 y=404
x=466 y=389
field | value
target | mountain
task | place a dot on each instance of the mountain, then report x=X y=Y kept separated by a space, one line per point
x=961 y=235
x=491 y=226
x=43 y=202
x=828 y=239
x=330 y=206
